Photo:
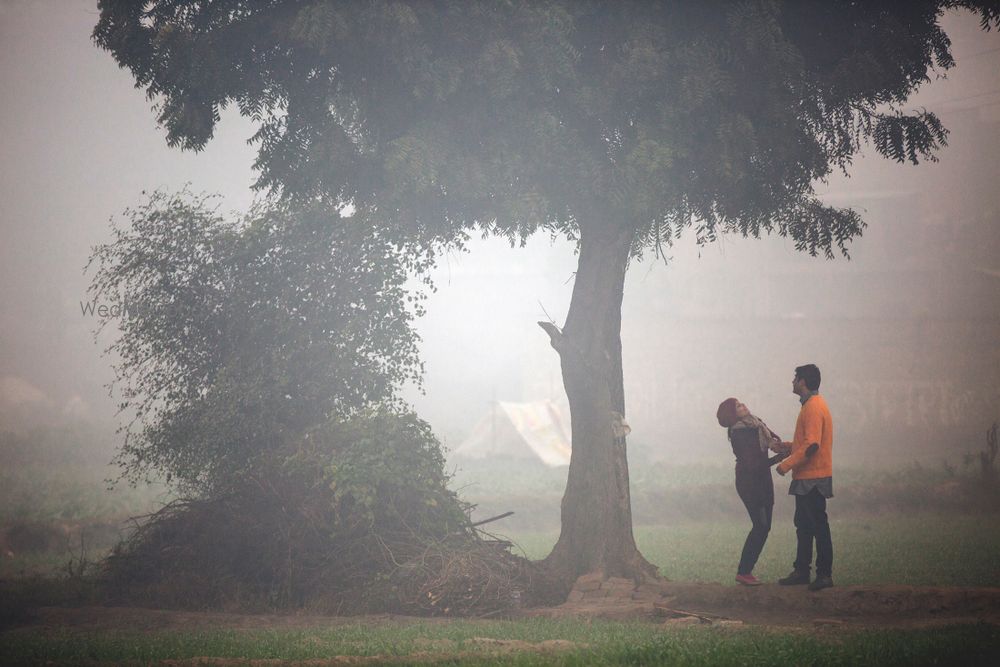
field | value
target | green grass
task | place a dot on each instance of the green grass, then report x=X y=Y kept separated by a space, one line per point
x=607 y=643
x=927 y=549
x=870 y=548
x=498 y=477
x=665 y=494
x=924 y=550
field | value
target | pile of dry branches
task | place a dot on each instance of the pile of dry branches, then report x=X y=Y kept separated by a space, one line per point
x=291 y=549
x=478 y=577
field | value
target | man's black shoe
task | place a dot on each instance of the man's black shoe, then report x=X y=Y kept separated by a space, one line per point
x=821 y=583
x=796 y=578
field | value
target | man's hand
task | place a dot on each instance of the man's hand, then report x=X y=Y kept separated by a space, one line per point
x=782 y=448
x=781 y=470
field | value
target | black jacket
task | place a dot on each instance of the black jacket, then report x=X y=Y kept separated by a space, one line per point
x=753 y=468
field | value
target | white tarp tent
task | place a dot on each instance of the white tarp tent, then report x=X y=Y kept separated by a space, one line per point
x=520 y=431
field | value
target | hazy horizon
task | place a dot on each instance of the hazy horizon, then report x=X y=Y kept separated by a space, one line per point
x=906 y=333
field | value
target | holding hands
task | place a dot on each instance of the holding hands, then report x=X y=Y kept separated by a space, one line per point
x=810 y=450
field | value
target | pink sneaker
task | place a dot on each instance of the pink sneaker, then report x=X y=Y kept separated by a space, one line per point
x=748 y=580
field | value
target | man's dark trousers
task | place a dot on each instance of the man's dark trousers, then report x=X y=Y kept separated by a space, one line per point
x=811 y=523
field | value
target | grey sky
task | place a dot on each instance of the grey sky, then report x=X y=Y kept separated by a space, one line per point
x=79 y=144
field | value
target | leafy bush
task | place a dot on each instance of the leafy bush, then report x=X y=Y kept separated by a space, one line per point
x=236 y=337
x=348 y=522
x=390 y=470
x=260 y=362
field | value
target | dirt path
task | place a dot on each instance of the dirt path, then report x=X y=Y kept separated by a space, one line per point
x=615 y=599
x=774 y=605
x=671 y=605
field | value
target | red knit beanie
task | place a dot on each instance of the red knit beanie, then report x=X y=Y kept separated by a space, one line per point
x=727 y=413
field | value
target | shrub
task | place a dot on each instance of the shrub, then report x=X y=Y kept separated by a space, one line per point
x=358 y=518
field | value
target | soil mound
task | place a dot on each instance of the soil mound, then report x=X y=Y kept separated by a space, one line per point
x=620 y=599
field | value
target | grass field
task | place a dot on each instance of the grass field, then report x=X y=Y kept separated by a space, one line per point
x=925 y=549
x=692 y=528
x=667 y=494
x=459 y=643
x=921 y=550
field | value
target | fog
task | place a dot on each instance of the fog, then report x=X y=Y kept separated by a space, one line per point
x=907 y=333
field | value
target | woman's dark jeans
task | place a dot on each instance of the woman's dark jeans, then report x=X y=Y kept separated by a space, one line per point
x=760 y=515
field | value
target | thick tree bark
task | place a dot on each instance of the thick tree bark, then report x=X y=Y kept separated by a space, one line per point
x=596 y=531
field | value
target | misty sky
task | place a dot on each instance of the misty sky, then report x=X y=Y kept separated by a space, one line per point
x=907 y=334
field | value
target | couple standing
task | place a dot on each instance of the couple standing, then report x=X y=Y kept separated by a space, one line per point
x=810 y=458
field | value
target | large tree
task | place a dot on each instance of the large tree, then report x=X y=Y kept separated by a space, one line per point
x=618 y=124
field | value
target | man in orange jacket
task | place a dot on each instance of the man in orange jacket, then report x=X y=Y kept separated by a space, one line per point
x=812 y=481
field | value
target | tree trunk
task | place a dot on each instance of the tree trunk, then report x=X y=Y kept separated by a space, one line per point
x=596 y=533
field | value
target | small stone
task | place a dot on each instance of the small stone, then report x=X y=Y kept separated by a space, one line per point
x=574 y=596
x=595 y=594
x=649 y=594
x=588 y=585
x=620 y=595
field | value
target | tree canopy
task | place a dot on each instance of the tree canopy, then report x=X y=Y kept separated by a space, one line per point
x=515 y=115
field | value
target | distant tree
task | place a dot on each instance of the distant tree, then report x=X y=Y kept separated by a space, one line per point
x=617 y=124
x=235 y=338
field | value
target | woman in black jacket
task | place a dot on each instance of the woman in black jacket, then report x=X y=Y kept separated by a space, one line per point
x=752 y=440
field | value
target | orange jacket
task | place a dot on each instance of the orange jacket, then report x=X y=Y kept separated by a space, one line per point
x=813 y=425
